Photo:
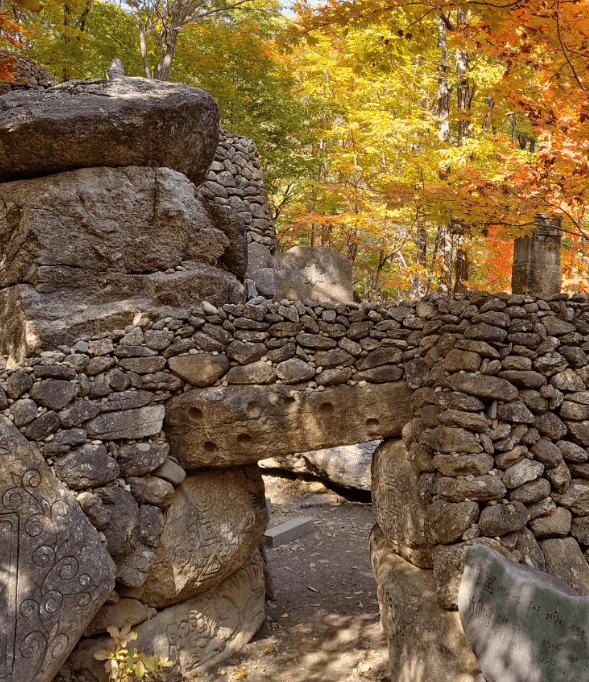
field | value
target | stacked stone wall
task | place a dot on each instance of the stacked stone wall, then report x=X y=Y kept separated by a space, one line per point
x=29 y=76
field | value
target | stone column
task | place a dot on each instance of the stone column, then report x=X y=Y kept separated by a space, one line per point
x=536 y=259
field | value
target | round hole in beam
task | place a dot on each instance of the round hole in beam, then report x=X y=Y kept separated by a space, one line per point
x=244 y=439
x=254 y=410
x=195 y=414
x=209 y=446
x=290 y=403
x=326 y=409
x=371 y=423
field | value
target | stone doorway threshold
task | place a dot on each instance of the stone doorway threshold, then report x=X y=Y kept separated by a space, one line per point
x=324 y=623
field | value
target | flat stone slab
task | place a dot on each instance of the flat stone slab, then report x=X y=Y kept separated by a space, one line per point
x=523 y=625
x=288 y=532
x=54 y=572
x=94 y=122
x=313 y=273
x=226 y=426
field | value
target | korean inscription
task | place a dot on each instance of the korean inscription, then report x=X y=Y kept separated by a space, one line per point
x=523 y=625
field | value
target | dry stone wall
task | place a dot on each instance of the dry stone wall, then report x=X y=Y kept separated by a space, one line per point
x=29 y=76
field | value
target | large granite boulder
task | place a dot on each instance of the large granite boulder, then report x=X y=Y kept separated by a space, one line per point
x=398 y=503
x=83 y=252
x=348 y=465
x=216 y=520
x=313 y=273
x=54 y=572
x=195 y=634
x=225 y=426
x=425 y=642
x=94 y=122
x=104 y=219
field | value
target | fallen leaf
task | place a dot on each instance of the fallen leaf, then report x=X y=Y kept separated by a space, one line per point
x=319 y=544
x=271 y=650
x=240 y=673
x=311 y=565
x=284 y=615
x=312 y=589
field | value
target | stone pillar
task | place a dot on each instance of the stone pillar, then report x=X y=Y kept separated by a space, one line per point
x=536 y=259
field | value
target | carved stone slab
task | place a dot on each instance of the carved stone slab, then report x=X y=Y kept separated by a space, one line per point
x=195 y=634
x=523 y=625
x=215 y=522
x=225 y=426
x=54 y=572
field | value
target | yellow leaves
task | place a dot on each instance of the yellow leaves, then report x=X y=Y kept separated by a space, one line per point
x=31 y=5
x=240 y=673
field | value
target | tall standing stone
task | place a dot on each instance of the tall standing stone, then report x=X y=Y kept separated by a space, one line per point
x=54 y=572
x=536 y=259
x=313 y=273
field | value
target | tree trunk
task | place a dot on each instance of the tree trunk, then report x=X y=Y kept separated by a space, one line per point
x=463 y=89
x=444 y=254
x=443 y=89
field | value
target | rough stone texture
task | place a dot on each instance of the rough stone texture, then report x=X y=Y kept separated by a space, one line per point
x=564 y=560
x=398 y=508
x=214 y=523
x=483 y=386
x=128 y=424
x=87 y=467
x=313 y=273
x=536 y=259
x=277 y=421
x=501 y=519
x=348 y=465
x=425 y=642
x=124 y=612
x=197 y=633
x=199 y=370
x=447 y=521
x=521 y=638
x=84 y=251
x=449 y=567
x=54 y=572
x=93 y=122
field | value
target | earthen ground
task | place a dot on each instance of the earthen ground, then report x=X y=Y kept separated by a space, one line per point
x=323 y=624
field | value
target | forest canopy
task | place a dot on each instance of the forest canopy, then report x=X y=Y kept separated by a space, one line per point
x=419 y=139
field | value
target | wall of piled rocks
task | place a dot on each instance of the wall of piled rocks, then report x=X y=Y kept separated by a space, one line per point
x=29 y=76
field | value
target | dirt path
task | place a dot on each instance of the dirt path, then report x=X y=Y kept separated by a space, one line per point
x=324 y=624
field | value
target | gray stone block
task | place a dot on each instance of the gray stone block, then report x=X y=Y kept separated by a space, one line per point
x=289 y=531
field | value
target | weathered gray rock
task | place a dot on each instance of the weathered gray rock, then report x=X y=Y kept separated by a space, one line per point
x=517 y=639
x=90 y=123
x=446 y=439
x=55 y=573
x=572 y=452
x=54 y=393
x=427 y=640
x=379 y=375
x=378 y=357
x=515 y=412
x=547 y=453
x=521 y=472
x=398 y=506
x=152 y=490
x=254 y=373
x=220 y=514
x=532 y=491
x=87 y=467
x=278 y=420
x=116 y=222
x=579 y=432
x=129 y=424
x=567 y=381
x=501 y=519
x=457 y=360
x=482 y=488
x=555 y=524
x=245 y=352
x=138 y=459
x=313 y=273
x=463 y=465
x=447 y=521
x=550 y=425
x=466 y=420
x=339 y=375
x=564 y=560
x=483 y=386
x=294 y=371
x=348 y=465
x=458 y=401
x=576 y=498
x=449 y=564
x=197 y=633
x=199 y=370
